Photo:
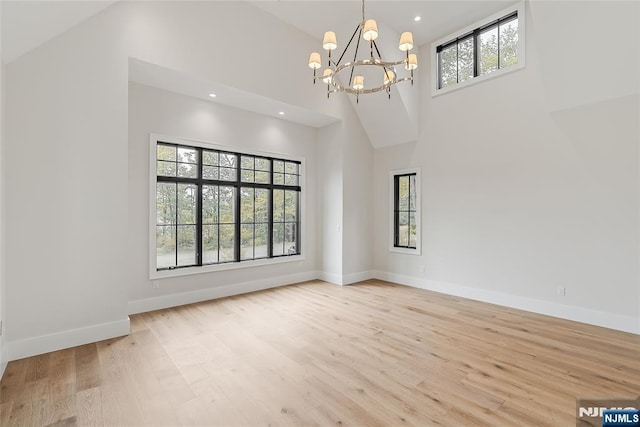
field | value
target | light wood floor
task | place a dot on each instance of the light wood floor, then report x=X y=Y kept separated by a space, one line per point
x=317 y=354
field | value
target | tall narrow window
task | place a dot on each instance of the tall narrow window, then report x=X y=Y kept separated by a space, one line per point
x=214 y=206
x=406 y=211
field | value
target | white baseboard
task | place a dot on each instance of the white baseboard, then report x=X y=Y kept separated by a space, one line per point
x=335 y=279
x=27 y=347
x=347 y=279
x=549 y=308
x=182 y=298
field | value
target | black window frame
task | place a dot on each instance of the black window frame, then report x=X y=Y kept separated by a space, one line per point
x=397 y=211
x=475 y=36
x=237 y=184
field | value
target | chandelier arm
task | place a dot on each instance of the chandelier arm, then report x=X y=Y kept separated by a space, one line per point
x=376 y=62
x=372 y=90
x=404 y=79
x=337 y=87
x=385 y=67
x=355 y=55
x=377 y=51
x=347 y=47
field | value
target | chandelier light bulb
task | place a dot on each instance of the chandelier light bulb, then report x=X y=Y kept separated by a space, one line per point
x=406 y=41
x=327 y=75
x=358 y=82
x=329 y=41
x=314 y=61
x=412 y=62
x=370 y=31
x=389 y=75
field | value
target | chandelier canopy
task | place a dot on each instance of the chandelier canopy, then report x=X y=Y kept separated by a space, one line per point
x=382 y=73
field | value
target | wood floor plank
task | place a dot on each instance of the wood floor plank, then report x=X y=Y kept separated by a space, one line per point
x=89 y=407
x=5 y=412
x=375 y=354
x=38 y=367
x=87 y=367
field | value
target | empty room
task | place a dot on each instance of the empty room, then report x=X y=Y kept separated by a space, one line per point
x=366 y=213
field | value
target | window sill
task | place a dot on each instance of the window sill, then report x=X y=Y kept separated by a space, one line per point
x=475 y=80
x=164 y=274
x=407 y=251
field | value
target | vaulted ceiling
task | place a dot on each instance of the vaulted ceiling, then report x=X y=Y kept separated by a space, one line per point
x=27 y=24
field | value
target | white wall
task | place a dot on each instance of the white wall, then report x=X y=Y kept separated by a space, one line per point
x=65 y=199
x=331 y=187
x=3 y=358
x=588 y=66
x=345 y=158
x=530 y=180
x=357 y=206
x=155 y=111
x=68 y=276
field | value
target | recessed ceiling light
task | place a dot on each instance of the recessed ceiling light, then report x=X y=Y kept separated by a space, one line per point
x=281 y=113
x=417 y=18
x=213 y=95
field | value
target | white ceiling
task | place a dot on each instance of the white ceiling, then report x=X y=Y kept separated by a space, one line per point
x=26 y=24
x=180 y=82
x=438 y=17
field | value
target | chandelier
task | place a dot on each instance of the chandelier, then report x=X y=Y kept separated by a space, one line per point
x=383 y=73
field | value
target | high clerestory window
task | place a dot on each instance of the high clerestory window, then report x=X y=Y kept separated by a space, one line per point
x=216 y=206
x=483 y=50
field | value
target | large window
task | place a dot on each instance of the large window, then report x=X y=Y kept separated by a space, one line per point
x=215 y=206
x=405 y=219
x=493 y=45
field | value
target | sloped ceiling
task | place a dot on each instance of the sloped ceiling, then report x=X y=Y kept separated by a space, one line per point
x=185 y=84
x=27 y=24
x=438 y=17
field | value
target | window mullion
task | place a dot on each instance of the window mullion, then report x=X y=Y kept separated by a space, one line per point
x=408 y=212
x=254 y=214
x=176 y=225
x=298 y=230
x=476 y=53
x=218 y=221
x=270 y=213
x=498 y=59
x=199 y=206
x=284 y=222
x=439 y=71
x=238 y=217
